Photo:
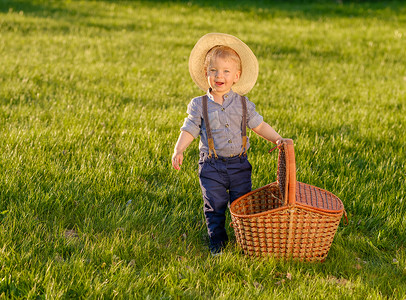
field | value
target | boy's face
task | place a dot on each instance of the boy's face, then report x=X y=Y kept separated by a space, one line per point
x=222 y=73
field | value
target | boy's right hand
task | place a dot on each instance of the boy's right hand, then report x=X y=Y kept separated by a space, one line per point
x=184 y=140
x=177 y=159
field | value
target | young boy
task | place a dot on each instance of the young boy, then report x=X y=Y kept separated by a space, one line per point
x=225 y=68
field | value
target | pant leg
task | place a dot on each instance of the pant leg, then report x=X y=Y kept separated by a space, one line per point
x=240 y=178
x=214 y=187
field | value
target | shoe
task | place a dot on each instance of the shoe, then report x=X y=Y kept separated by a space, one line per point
x=216 y=254
x=216 y=249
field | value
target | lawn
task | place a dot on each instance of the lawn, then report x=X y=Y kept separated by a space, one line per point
x=92 y=96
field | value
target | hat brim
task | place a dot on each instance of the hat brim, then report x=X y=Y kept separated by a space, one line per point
x=249 y=62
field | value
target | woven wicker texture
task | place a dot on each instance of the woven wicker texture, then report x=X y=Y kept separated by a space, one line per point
x=316 y=197
x=265 y=224
x=281 y=173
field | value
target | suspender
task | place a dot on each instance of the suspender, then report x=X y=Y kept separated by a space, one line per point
x=243 y=129
x=208 y=130
x=244 y=126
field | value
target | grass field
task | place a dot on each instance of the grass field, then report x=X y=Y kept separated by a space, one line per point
x=92 y=96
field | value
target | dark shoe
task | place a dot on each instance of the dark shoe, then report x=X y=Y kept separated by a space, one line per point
x=216 y=249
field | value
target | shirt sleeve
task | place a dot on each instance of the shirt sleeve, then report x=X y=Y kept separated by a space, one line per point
x=254 y=119
x=193 y=121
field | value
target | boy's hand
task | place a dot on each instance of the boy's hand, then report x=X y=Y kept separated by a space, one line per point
x=280 y=141
x=177 y=159
x=184 y=140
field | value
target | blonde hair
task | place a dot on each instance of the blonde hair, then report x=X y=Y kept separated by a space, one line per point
x=223 y=52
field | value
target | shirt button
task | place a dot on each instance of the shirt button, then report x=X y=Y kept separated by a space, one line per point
x=227 y=125
x=223 y=109
x=229 y=141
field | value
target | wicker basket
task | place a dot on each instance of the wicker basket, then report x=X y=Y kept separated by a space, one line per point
x=287 y=219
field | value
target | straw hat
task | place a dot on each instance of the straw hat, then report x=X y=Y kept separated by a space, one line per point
x=249 y=63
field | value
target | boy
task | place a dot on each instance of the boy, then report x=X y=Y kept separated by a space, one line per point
x=225 y=68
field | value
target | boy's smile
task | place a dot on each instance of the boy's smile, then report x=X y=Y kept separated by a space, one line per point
x=221 y=74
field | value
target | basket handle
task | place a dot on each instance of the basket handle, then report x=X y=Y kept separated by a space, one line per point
x=291 y=170
x=287 y=147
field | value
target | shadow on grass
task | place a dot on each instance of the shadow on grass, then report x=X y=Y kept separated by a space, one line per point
x=262 y=9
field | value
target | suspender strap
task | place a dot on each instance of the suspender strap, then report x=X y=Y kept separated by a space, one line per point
x=208 y=130
x=244 y=126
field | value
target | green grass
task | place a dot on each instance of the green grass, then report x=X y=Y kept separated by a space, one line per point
x=92 y=96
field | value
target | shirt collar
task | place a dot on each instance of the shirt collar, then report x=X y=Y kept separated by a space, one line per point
x=229 y=95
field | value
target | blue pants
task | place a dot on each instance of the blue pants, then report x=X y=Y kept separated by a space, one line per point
x=222 y=181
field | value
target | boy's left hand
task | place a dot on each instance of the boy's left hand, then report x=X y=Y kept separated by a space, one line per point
x=280 y=141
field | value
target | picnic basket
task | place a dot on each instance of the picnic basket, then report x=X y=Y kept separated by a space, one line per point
x=287 y=218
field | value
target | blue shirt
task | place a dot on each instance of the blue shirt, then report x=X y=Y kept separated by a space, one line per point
x=225 y=123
